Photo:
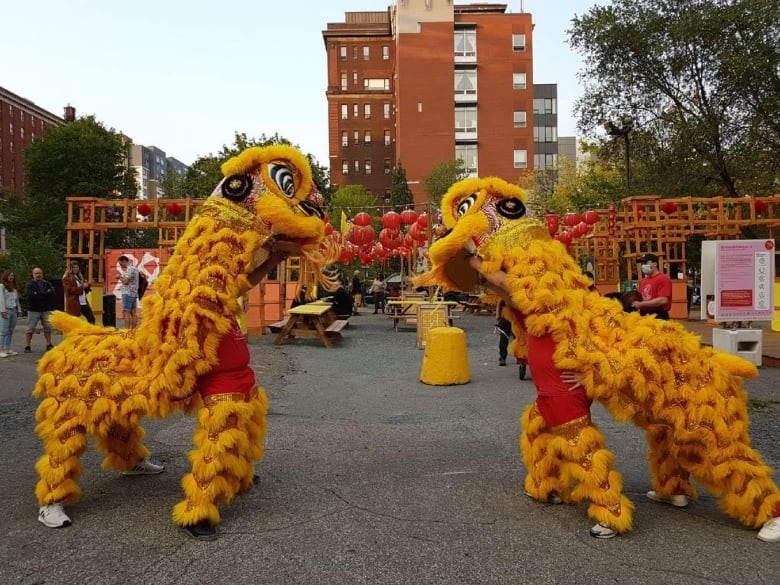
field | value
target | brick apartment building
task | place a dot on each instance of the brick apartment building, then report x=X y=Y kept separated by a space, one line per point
x=20 y=122
x=429 y=81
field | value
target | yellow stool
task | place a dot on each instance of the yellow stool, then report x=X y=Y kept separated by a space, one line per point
x=446 y=359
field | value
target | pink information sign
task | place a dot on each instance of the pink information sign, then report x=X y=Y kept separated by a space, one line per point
x=744 y=280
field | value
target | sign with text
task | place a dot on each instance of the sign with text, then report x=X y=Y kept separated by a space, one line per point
x=744 y=280
x=146 y=260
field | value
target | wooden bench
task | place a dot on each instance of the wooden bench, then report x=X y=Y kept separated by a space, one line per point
x=278 y=326
x=337 y=326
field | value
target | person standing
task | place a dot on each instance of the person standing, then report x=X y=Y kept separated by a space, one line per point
x=128 y=276
x=378 y=290
x=9 y=310
x=76 y=290
x=357 y=291
x=504 y=328
x=655 y=288
x=40 y=297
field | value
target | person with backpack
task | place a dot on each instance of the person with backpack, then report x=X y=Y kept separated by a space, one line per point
x=128 y=277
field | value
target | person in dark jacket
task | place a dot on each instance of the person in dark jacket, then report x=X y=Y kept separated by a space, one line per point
x=40 y=299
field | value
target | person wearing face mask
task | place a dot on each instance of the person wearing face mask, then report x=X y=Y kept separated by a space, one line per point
x=655 y=288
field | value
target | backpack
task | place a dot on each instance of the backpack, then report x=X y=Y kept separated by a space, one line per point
x=143 y=282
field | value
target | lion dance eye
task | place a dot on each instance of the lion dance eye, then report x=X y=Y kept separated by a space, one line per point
x=237 y=187
x=465 y=205
x=511 y=208
x=284 y=177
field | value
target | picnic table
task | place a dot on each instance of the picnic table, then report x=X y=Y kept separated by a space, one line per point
x=315 y=319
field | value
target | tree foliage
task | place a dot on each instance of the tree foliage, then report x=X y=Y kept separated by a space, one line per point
x=443 y=176
x=206 y=172
x=701 y=78
x=400 y=194
x=351 y=199
x=79 y=159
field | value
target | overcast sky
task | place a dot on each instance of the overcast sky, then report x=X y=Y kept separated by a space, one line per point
x=185 y=76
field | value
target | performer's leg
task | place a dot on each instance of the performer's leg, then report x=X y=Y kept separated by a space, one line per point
x=736 y=474
x=543 y=481
x=122 y=445
x=64 y=441
x=670 y=478
x=580 y=445
x=228 y=439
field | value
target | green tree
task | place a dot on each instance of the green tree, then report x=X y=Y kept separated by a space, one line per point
x=401 y=195
x=172 y=185
x=351 y=199
x=706 y=108
x=82 y=159
x=206 y=172
x=443 y=176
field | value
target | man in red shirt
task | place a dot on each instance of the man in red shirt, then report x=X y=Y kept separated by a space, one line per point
x=655 y=288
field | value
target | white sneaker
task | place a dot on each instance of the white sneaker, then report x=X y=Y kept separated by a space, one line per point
x=144 y=467
x=603 y=531
x=53 y=516
x=12 y=352
x=770 y=532
x=3 y=354
x=676 y=500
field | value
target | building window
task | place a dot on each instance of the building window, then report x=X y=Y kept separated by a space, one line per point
x=344 y=112
x=465 y=43
x=354 y=52
x=386 y=110
x=366 y=53
x=376 y=84
x=343 y=82
x=357 y=166
x=518 y=80
x=518 y=42
x=520 y=119
x=367 y=166
x=367 y=111
x=343 y=52
x=387 y=166
x=387 y=137
x=545 y=106
x=367 y=137
x=468 y=154
x=385 y=52
x=356 y=137
x=354 y=78
x=466 y=120
x=521 y=159
x=345 y=138
x=355 y=110
x=345 y=167
x=466 y=83
x=545 y=134
x=545 y=161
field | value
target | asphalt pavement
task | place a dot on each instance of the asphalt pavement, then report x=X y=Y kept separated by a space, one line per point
x=370 y=476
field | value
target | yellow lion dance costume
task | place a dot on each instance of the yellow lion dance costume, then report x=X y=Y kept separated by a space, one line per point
x=102 y=381
x=689 y=399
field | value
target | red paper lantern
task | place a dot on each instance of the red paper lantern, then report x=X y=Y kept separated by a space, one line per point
x=362 y=219
x=422 y=220
x=408 y=216
x=328 y=229
x=144 y=209
x=174 y=208
x=759 y=206
x=391 y=239
x=360 y=235
x=590 y=217
x=571 y=219
x=668 y=207
x=391 y=220
x=565 y=237
x=552 y=221
x=580 y=229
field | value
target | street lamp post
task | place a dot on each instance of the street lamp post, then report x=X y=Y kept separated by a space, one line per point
x=624 y=129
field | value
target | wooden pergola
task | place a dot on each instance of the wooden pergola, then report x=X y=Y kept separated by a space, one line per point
x=651 y=224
